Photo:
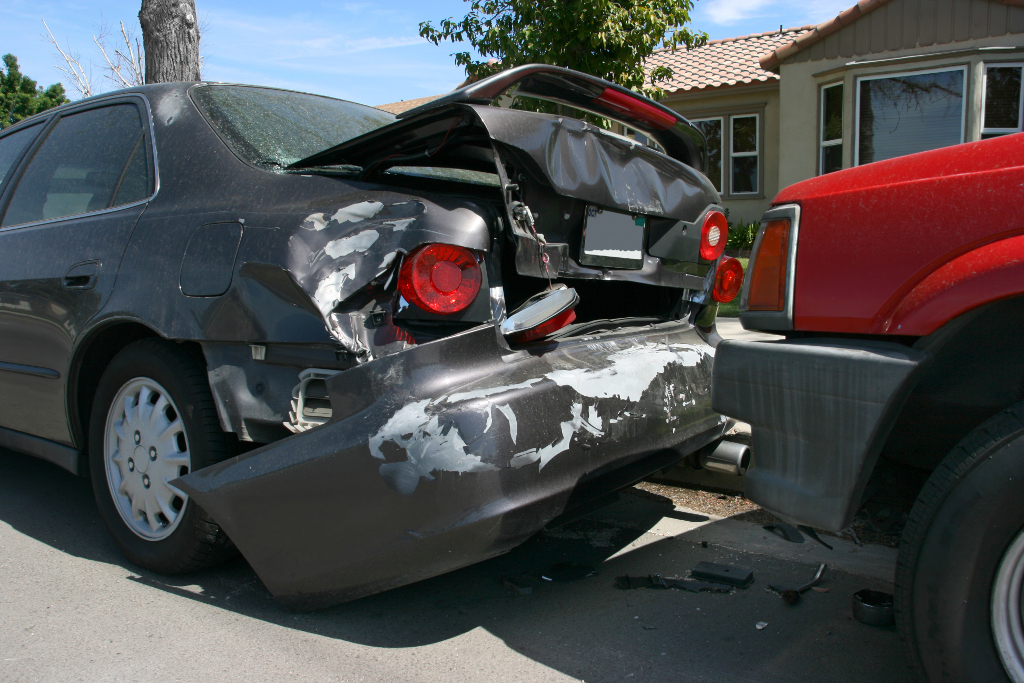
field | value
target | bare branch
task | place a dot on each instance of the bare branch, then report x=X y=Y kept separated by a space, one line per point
x=74 y=69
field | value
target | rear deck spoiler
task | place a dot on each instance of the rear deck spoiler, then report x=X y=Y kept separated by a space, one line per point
x=680 y=139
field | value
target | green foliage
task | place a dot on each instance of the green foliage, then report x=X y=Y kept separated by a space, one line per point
x=19 y=96
x=606 y=38
x=741 y=235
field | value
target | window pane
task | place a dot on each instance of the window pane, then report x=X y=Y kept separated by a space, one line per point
x=1002 y=97
x=712 y=129
x=744 y=134
x=831 y=158
x=909 y=114
x=744 y=174
x=276 y=128
x=12 y=145
x=78 y=166
x=135 y=185
x=832 y=114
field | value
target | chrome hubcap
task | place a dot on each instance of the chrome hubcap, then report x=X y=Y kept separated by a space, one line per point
x=1008 y=610
x=145 y=447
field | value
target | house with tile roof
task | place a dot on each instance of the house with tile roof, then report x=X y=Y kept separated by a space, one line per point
x=723 y=90
x=882 y=79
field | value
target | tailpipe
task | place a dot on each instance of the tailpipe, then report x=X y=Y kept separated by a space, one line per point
x=728 y=457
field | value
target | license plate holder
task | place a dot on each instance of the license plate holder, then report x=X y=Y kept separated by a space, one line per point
x=612 y=239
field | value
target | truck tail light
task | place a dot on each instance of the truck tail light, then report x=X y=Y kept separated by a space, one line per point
x=440 y=278
x=728 y=279
x=713 y=235
x=768 y=270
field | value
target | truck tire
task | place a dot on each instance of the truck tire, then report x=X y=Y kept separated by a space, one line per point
x=961 y=563
x=153 y=420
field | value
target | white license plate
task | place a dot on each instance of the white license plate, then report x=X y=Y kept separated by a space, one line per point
x=613 y=240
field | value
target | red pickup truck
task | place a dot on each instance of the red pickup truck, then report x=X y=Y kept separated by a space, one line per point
x=899 y=287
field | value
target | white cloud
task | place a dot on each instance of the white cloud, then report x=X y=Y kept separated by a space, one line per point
x=725 y=12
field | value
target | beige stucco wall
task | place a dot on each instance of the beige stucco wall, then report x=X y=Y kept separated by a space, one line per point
x=801 y=82
x=741 y=100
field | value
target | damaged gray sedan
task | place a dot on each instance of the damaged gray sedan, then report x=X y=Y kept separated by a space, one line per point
x=363 y=350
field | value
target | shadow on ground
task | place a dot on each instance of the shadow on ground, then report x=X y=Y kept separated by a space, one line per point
x=585 y=628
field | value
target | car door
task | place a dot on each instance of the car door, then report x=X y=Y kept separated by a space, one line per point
x=68 y=217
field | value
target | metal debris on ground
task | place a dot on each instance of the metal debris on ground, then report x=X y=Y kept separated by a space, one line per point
x=785 y=531
x=813 y=534
x=723 y=573
x=873 y=608
x=791 y=596
x=760 y=625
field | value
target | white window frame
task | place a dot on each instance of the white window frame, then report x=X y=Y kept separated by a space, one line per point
x=721 y=145
x=856 y=107
x=822 y=142
x=756 y=153
x=984 y=91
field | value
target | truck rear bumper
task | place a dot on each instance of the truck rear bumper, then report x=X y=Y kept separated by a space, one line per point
x=455 y=451
x=820 y=411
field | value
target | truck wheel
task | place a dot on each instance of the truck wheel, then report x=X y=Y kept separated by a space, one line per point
x=960 y=571
x=153 y=420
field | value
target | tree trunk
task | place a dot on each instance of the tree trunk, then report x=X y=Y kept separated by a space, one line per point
x=170 y=35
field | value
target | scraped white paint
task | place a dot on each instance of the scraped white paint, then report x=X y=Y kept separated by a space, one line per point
x=513 y=423
x=346 y=245
x=616 y=253
x=592 y=423
x=388 y=259
x=629 y=373
x=328 y=292
x=316 y=221
x=483 y=393
x=429 y=447
x=401 y=224
x=357 y=212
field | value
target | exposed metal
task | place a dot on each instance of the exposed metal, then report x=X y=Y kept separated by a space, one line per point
x=145 y=448
x=1008 y=610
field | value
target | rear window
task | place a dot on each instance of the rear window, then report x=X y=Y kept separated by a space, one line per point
x=276 y=128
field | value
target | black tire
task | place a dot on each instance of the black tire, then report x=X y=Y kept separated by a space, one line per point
x=197 y=541
x=969 y=512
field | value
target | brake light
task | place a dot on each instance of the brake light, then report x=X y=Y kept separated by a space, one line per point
x=553 y=325
x=636 y=108
x=713 y=235
x=728 y=279
x=768 y=270
x=440 y=278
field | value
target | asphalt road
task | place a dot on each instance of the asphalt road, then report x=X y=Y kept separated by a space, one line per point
x=74 y=610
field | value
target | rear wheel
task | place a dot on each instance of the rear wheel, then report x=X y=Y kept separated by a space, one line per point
x=153 y=421
x=960 y=574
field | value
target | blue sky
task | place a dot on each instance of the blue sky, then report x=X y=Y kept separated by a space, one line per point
x=367 y=52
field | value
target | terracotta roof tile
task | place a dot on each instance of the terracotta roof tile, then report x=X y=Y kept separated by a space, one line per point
x=723 y=62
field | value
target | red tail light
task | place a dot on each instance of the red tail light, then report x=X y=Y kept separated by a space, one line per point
x=728 y=280
x=713 y=235
x=636 y=108
x=440 y=278
x=553 y=325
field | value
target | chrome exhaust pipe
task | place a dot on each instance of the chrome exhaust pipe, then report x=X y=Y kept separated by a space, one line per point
x=728 y=457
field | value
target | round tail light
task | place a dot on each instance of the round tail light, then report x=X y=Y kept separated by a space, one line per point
x=728 y=279
x=713 y=235
x=440 y=278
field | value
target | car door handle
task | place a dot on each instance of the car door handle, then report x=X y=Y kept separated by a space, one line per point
x=81 y=275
